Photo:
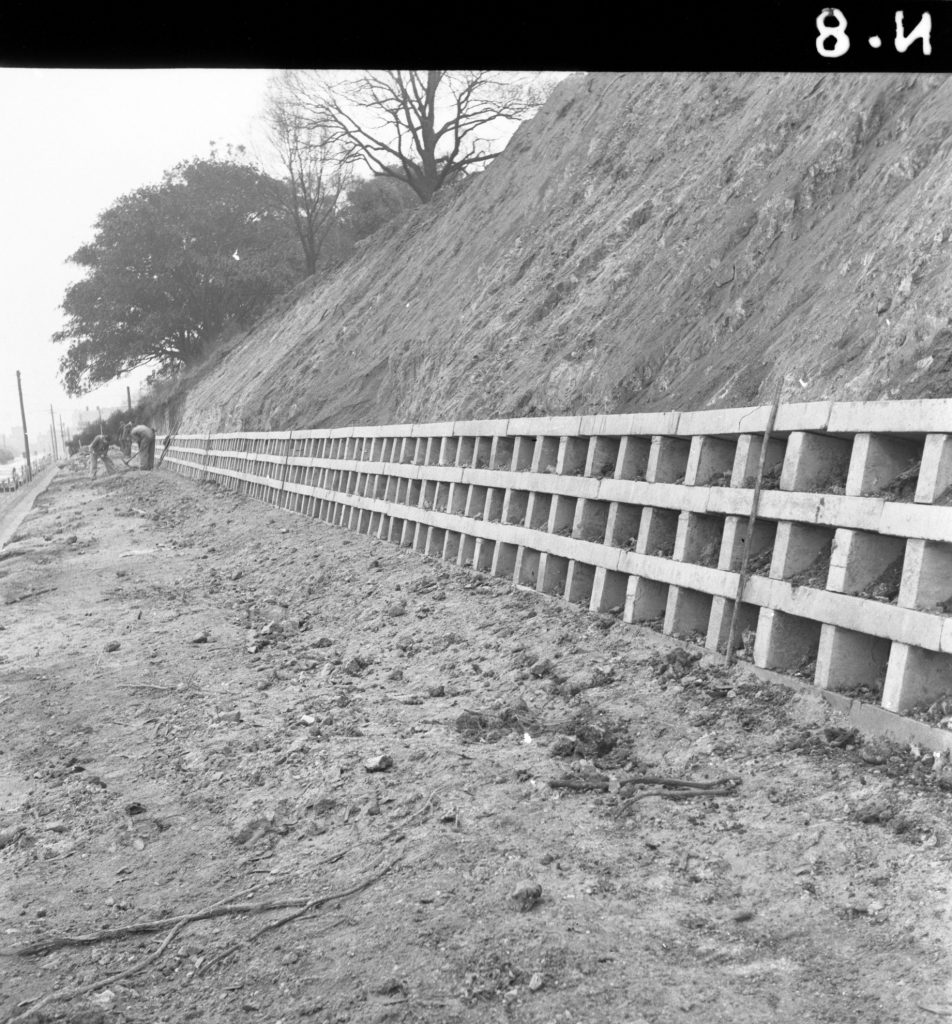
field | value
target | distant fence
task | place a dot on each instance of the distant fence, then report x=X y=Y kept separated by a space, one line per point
x=648 y=513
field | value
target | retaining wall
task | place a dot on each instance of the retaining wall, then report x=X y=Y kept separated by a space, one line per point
x=648 y=514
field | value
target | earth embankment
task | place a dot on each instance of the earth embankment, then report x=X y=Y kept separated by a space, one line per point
x=647 y=241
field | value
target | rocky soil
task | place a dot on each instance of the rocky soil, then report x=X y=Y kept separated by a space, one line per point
x=647 y=241
x=255 y=767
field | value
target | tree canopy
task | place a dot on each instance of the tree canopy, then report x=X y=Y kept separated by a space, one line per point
x=424 y=128
x=171 y=266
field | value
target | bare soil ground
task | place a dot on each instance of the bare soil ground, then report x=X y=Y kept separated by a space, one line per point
x=194 y=688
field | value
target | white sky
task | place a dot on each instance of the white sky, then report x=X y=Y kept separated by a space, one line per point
x=74 y=141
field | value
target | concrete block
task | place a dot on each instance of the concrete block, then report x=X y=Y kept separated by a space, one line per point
x=927 y=522
x=785 y=642
x=467 y=550
x=609 y=590
x=466 y=451
x=483 y=452
x=916 y=677
x=847 y=659
x=668 y=459
x=747 y=458
x=591 y=520
x=646 y=600
x=526 y=571
x=580 y=582
x=719 y=624
x=602 y=458
x=553 y=572
x=815 y=462
x=483 y=554
x=658 y=531
x=859 y=558
x=481 y=428
x=698 y=538
x=522 y=453
x=622 y=525
x=501 y=452
x=797 y=547
x=476 y=502
x=515 y=507
x=431 y=429
x=687 y=612
x=710 y=461
x=877 y=460
x=933 y=415
x=557 y=425
x=734 y=541
x=562 y=516
x=927 y=576
x=420 y=534
x=573 y=453
x=935 y=473
x=545 y=458
x=538 y=510
x=633 y=456
x=495 y=498
x=826 y=509
x=504 y=560
x=435 y=541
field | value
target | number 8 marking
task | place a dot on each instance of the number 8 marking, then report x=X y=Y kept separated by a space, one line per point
x=836 y=32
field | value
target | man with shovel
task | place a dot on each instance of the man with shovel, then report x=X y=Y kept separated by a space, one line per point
x=145 y=438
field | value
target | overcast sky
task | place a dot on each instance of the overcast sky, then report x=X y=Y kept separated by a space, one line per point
x=74 y=141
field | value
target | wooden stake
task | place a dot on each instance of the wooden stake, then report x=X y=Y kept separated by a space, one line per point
x=755 y=502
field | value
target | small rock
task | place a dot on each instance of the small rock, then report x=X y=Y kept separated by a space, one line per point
x=228 y=716
x=526 y=895
x=536 y=982
x=199 y=638
x=396 y=676
x=112 y=645
x=135 y=808
x=396 y=608
x=72 y=538
x=324 y=641
x=380 y=763
x=437 y=690
x=541 y=668
x=562 y=746
x=874 y=753
x=138 y=843
x=290 y=957
x=744 y=914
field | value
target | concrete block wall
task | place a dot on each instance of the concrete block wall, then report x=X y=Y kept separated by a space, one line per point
x=647 y=515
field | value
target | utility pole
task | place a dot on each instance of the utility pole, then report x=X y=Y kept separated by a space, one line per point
x=26 y=436
x=63 y=438
x=99 y=410
x=53 y=434
x=129 y=398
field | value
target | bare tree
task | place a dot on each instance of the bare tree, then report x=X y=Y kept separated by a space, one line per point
x=424 y=128
x=316 y=172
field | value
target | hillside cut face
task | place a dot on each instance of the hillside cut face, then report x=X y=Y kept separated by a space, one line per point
x=647 y=241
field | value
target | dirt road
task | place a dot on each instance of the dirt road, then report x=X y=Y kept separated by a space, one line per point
x=212 y=707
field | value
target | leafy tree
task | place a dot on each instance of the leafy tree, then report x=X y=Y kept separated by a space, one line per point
x=170 y=267
x=316 y=174
x=424 y=128
x=371 y=202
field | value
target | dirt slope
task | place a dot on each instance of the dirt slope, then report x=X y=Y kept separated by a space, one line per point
x=192 y=686
x=647 y=241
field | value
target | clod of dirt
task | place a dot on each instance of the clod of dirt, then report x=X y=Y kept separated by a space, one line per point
x=380 y=763
x=674 y=664
x=488 y=726
x=112 y=645
x=396 y=608
x=526 y=895
x=437 y=690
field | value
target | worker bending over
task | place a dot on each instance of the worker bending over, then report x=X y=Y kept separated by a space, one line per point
x=145 y=438
x=99 y=449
